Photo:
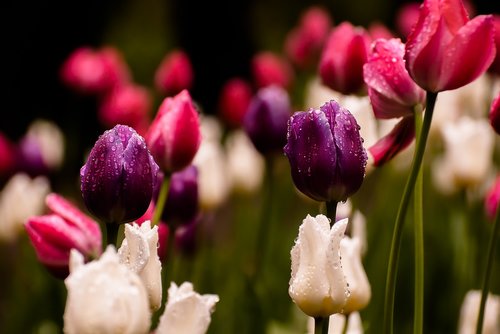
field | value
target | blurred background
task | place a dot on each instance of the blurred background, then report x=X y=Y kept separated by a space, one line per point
x=220 y=37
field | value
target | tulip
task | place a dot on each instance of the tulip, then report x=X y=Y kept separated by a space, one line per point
x=470 y=310
x=492 y=199
x=118 y=178
x=326 y=153
x=94 y=71
x=182 y=199
x=174 y=136
x=234 y=99
x=342 y=59
x=378 y=30
x=266 y=119
x=495 y=114
x=495 y=66
x=318 y=285
x=54 y=235
x=7 y=155
x=139 y=253
x=446 y=50
x=21 y=198
x=128 y=105
x=174 y=74
x=105 y=297
x=270 y=69
x=406 y=18
x=186 y=311
x=186 y=237
x=41 y=150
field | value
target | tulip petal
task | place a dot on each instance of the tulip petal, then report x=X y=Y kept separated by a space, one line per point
x=393 y=143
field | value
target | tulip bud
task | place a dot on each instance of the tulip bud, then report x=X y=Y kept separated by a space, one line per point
x=21 y=198
x=53 y=236
x=182 y=199
x=270 y=69
x=234 y=100
x=326 y=153
x=318 y=285
x=266 y=119
x=186 y=237
x=118 y=178
x=128 y=105
x=446 y=50
x=174 y=136
x=104 y=296
x=139 y=253
x=186 y=311
x=174 y=74
x=492 y=199
x=495 y=114
x=341 y=64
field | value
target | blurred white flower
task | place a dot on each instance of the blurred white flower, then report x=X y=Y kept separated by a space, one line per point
x=246 y=165
x=470 y=311
x=467 y=159
x=50 y=140
x=186 y=312
x=361 y=109
x=316 y=94
x=104 y=296
x=358 y=230
x=21 y=198
x=213 y=183
x=318 y=285
x=139 y=253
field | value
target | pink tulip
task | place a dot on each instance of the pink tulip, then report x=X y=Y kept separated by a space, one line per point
x=392 y=91
x=446 y=50
x=342 y=60
x=270 y=69
x=7 y=156
x=406 y=18
x=495 y=66
x=495 y=114
x=234 y=99
x=129 y=104
x=54 y=235
x=174 y=74
x=378 y=30
x=174 y=135
x=91 y=71
x=492 y=199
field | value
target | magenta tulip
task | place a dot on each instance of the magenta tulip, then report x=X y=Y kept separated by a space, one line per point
x=175 y=73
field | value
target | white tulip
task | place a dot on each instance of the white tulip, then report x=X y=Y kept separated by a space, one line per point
x=21 y=198
x=470 y=311
x=186 y=312
x=139 y=253
x=359 y=287
x=318 y=285
x=104 y=296
x=245 y=164
x=51 y=140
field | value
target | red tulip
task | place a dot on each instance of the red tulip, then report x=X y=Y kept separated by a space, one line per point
x=270 y=69
x=174 y=74
x=234 y=99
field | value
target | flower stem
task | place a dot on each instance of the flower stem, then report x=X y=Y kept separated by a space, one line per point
x=418 y=316
x=331 y=211
x=346 y=324
x=162 y=199
x=390 y=288
x=487 y=274
x=112 y=233
x=321 y=325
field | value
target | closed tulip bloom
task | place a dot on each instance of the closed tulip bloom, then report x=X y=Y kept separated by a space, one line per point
x=182 y=200
x=139 y=253
x=446 y=50
x=234 y=99
x=492 y=199
x=118 y=178
x=342 y=59
x=174 y=135
x=317 y=284
x=186 y=311
x=54 y=235
x=326 y=153
x=359 y=287
x=270 y=69
x=495 y=114
x=266 y=119
x=175 y=73
x=105 y=297
x=392 y=91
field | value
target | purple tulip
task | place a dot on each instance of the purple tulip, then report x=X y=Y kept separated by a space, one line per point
x=266 y=119
x=326 y=153
x=118 y=179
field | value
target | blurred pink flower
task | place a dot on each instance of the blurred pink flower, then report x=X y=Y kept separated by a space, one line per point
x=175 y=73
x=269 y=68
x=495 y=114
x=492 y=199
x=406 y=18
x=234 y=100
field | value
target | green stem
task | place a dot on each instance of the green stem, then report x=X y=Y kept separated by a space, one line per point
x=112 y=233
x=321 y=325
x=346 y=323
x=331 y=211
x=390 y=288
x=162 y=199
x=487 y=274
x=418 y=316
